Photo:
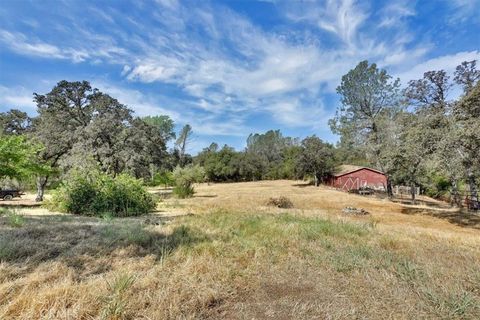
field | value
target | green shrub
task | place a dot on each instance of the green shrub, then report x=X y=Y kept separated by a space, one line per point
x=15 y=220
x=184 y=191
x=99 y=194
x=164 y=178
x=185 y=178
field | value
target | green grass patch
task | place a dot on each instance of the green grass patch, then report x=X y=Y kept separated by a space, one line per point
x=15 y=220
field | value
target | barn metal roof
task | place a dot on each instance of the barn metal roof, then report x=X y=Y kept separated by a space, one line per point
x=346 y=168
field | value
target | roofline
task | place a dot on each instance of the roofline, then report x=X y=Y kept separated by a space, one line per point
x=355 y=170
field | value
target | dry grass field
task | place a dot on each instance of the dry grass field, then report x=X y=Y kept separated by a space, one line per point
x=225 y=254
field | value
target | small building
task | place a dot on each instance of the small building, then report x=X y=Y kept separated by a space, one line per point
x=355 y=177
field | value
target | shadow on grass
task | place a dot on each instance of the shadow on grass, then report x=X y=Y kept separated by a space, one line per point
x=14 y=204
x=303 y=185
x=459 y=218
x=421 y=202
x=73 y=239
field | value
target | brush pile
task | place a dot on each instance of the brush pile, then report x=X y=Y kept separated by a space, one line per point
x=355 y=211
x=280 y=202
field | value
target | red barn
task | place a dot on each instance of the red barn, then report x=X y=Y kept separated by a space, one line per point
x=354 y=177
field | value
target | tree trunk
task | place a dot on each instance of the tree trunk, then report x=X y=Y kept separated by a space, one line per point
x=473 y=189
x=152 y=172
x=389 y=187
x=41 y=184
x=412 y=192
x=455 y=194
x=315 y=178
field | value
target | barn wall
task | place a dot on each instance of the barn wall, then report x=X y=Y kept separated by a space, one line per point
x=361 y=178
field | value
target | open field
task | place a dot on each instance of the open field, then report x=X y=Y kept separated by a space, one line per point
x=226 y=254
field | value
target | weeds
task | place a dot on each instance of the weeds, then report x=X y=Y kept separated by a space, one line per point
x=351 y=258
x=116 y=302
x=15 y=220
x=407 y=271
x=107 y=217
x=316 y=228
x=452 y=305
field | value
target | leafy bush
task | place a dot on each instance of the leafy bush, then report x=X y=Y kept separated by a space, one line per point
x=185 y=178
x=438 y=187
x=184 y=191
x=14 y=220
x=98 y=194
x=281 y=202
x=164 y=178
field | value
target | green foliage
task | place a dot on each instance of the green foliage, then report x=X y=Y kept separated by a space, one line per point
x=3 y=211
x=15 y=122
x=185 y=178
x=184 y=191
x=18 y=157
x=99 y=194
x=15 y=220
x=270 y=151
x=163 y=124
x=268 y=156
x=78 y=124
x=220 y=165
x=163 y=178
x=115 y=301
x=183 y=139
x=316 y=158
x=438 y=186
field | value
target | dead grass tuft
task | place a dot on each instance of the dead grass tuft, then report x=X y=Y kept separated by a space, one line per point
x=280 y=202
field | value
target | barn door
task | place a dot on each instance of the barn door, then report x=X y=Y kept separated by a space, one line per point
x=351 y=183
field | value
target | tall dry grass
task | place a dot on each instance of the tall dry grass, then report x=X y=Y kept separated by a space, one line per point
x=241 y=262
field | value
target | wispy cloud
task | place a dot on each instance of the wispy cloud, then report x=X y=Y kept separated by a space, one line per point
x=463 y=10
x=395 y=12
x=342 y=18
x=221 y=68
x=446 y=62
x=20 y=44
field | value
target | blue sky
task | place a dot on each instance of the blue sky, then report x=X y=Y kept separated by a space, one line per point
x=229 y=68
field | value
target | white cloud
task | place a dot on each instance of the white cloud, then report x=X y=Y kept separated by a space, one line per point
x=229 y=69
x=270 y=68
x=16 y=98
x=18 y=43
x=142 y=104
x=340 y=17
x=447 y=63
x=395 y=12
x=180 y=111
x=90 y=46
x=463 y=10
x=170 y=4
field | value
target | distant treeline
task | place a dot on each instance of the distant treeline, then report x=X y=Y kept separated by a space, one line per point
x=269 y=156
x=417 y=135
